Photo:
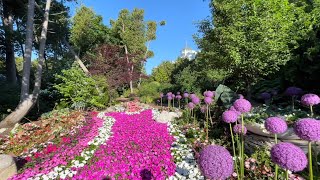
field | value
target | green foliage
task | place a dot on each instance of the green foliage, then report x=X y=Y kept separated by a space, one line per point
x=149 y=91
x=225 y=95
x=163 y=72
x=187 y=80
x=80 y=91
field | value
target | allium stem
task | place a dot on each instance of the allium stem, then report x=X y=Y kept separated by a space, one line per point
x=207 y=123
x=310 y=161
x=161 y=102
x=311 y=110
x=210 y=116
x=173 y=102
x=276 y=167
x=179 y=103
x=234 y=150
x=292 y=101
x=287 y=175
x=242 y=148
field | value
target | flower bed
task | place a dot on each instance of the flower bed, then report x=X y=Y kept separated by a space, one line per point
x=138 y=149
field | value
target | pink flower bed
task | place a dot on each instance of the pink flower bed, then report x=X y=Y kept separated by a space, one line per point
x=56 y=155
x=138 y=149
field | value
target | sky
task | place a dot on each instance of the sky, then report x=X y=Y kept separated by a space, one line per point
x=181 y=17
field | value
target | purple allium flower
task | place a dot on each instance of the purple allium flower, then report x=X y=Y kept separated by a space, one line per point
x=241 y=96
x=265 y=95
x=289 y=156
x=173 y=96
x=195 y=100
x=209 y=93
x=169 y=97
x=276 y=125
x=229 y=116
x=178 y=93
x=293 y=91
x=308 y=129
x=178 y=96
x=242 y=105
x=208 y=100
x=191 y=105
x=169 y=93
x=310 y=99
x=216 y=162
x=192 y=95
x=161 y=95
x=203 y=109
x=234 y=109
x=185 y=95
x=238 y=129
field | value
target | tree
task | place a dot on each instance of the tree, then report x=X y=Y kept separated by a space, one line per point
x=29 y=100
x=134 y=32
x=163 y=73
x=88 y=30
x=249 y=39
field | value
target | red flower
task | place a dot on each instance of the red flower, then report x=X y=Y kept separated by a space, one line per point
x=28 y=159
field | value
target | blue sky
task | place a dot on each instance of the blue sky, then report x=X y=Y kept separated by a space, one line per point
x=180 y=17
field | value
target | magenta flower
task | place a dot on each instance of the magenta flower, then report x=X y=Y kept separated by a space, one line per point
x=229 y=116
x=242 y=105
x=191 y=105
x=308 y=129
x=178 y=96
x=234 y=109
x=208 y=100
x=209 y=94
x=185 y=95
x=289 y=156
x=216 y=162
x=161 y=95
x=238 y=129
x=265 y=96
x=276 y=125
x=195 y=100
x=178 y=93
x=192 y=95
x=310 y=99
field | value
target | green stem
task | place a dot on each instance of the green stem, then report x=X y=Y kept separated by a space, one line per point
x=310 y=161
x=276 y=167
x=242 y=148
x=311 y=109
x=292 y=101
x=161 y=102
x=207 y=123
x=173 y=102
x=234 y=150
x=179 y=103
x=287 y=175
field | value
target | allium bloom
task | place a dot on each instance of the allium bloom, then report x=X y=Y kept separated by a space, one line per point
x=234 y=109
x=161 y=95
x=208 y=100
x=289 y=156
x=308 y=129
x=265 y=95
x=310 y=99
x=185 y=95
x=238 y=129
x=169 y=97
x=195 y=100
x=276 y=125
x=293 y=91
x=192 y=95
x=209 y=93
x=169 y=93
x=229 y=116
x=203 y=109
x=178 y=96
x=242 y=105
x=241 y=96
x=216 y=162
x=173 y=95
x=178 y=93
x=191 y=105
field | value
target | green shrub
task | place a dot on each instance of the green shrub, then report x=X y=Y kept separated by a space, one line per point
x=80 y=91
x=149 y=91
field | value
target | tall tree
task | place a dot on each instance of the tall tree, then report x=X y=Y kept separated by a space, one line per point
x=9 y=43
x=28 y=102
x=250 y=39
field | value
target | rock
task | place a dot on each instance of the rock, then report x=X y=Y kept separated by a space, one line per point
x=7 y=166
x=166 y=116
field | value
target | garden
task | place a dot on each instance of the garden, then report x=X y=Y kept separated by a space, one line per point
x=80 y=101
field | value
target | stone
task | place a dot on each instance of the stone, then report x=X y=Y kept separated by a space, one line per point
x=7 y=166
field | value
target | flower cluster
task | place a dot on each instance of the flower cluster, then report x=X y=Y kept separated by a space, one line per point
x=308 y=129
x=289 y=156
x=293 y=91
x=139 y=148
x=238 y=129
x=242 y=105
x=310 y=99
x=216 y=162
x=276 y=125
x=229 y=116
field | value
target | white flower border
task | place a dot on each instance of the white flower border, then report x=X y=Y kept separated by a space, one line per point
x=62 y=171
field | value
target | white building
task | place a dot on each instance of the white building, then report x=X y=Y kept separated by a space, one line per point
x=188 y=53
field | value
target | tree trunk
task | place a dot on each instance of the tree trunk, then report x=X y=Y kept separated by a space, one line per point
x=142 y=64
x=8 y=29
x=131 y=83
x=25 y=106
x=25 y=84
x=83 y=67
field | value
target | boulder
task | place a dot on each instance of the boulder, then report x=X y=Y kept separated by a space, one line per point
x=166 y=116
x=7 y=166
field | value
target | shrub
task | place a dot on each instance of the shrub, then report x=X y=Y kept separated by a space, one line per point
x=149 y=91
x=81 y=91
